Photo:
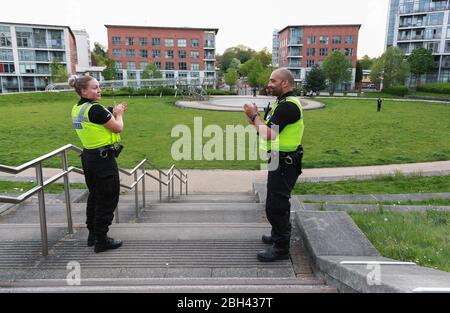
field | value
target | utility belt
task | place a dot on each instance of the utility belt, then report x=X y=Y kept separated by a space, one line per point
x=288 y=158
x=106 y=151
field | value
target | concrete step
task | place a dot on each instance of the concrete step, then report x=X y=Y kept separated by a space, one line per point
x=174 y=285
x=153 y=197
x=203 y=213
x=28 y=213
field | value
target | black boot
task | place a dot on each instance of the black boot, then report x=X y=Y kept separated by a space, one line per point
x=267 y=239
x=91 y=239
x=272 y=254
x=104 y=243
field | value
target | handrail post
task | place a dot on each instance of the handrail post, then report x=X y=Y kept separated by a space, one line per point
x=42 y=217
x=160 y=187
x=181 y=183
x=173 y=185
x=143 y=186
x=136 y=194
x=67 y=192
x=168 y=189
x=186 y=184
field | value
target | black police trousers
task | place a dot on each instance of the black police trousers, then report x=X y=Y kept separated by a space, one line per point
x=280 y=183
x=102 y=180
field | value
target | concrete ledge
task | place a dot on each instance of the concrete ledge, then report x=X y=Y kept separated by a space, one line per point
x=333 y=233
x=391 y=278
x=333 y=238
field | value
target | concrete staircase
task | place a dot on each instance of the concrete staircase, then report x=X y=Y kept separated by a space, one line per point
x=195 y=243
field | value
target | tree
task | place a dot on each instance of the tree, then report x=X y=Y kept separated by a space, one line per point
x=59 y=72
x=264 y=56
x=241 y=53
x=391 y=68
x=151 y=71
x=235 y=63
x=99 y=55
x=366 y=62
x=109 y=73
x=337 y=69
x=421 y=61
x=315 y=80
x=359 y=72
x=231 y=77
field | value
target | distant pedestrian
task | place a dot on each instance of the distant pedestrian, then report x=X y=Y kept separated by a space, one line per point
x=254 y=91
x=379 y=103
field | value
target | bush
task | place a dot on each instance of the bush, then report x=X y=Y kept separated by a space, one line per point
x=442 y=88
x=218 y=92
x=400 y=91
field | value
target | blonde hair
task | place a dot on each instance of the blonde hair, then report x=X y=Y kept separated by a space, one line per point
x=79 y=83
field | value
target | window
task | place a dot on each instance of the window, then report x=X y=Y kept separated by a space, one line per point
x=158 y=65
x=156 y=42
x=310 y=52
x=195 y=55
x=42 y=56
x=143 y=54
x=119 y=65
x=156 y=54
x=349 y=40
x=129 y=41
x=168 y=42
x=24 y=37
x=182 y=74
x=324 y=40
x=182 y=54
x=27 y=68
x=131 y=65
x=6 y=55
x=116 y=41
x=5 y=36
x=143 y=42
x=436 y=18
x=169 y=54
x=182 y=66
x=323 y=52
x=170 y=75
x=348 y=52
x=117 y=53
x=182 y=43
x=131 y=53
x=56 y=39
x=311 y=40
x=143 y=65
x=336 y=40
x=26 y=55
x=7 y=68
x=448 y=33
x=195 y=67
x=195 y=43
x=195 y=74
x=170 y=66
x=57 y=55
x=310 y=63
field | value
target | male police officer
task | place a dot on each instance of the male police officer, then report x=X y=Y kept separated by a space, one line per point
x=281 y=133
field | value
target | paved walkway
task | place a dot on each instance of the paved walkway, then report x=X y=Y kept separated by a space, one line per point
x=242 y=181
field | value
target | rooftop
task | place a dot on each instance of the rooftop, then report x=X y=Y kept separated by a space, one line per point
x=216 y=30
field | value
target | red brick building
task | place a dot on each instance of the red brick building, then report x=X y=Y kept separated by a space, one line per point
x=302 y=47
x=177 y=52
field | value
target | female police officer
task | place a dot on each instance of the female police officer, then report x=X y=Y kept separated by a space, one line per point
x=98 y=129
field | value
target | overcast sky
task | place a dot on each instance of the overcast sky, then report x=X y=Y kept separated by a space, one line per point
x=250 y=23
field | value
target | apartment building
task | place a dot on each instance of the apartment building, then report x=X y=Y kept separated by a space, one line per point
x=416 y=24
x=27 y=51
x=185 y=53
x=303 y=46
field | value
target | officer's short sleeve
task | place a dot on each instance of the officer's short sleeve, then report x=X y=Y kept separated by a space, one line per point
x=285 y=114
x=99 y=115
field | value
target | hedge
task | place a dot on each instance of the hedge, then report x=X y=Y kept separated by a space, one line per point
x=130 y=91
x=400 y=91
x=442 y=88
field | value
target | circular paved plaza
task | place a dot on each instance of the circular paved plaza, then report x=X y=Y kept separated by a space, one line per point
x=236 y=103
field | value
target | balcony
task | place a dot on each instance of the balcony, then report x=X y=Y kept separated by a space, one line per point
x=431 y=7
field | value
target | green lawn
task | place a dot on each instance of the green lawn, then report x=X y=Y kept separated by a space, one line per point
x=21 y=187
x=395 y=184
x=423 y=238
x=346 y=133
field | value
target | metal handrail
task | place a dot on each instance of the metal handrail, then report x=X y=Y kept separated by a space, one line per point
x=41 y=184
